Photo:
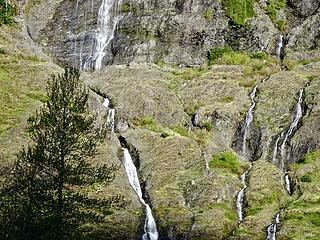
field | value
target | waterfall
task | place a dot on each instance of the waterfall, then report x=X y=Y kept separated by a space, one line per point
x=286 y=135
x=249 y=116
x=275 y=149
x=108 y=19
x=287 y=182
x=249 y=119
x=279 y=45
x=150 y=229
x=111 y=114
x=240 y=197
x=294 y=123
x=272 y=229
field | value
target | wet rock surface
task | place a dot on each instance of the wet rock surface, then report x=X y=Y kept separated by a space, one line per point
x=171 y=31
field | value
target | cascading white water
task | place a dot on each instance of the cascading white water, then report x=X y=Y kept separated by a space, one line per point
x=249 y=118
x=279 y=45
x=272 y=229
x=240 y=197
x=287 y=135
x=294 y=123
x=150 y=229
x=287 y=182
x=108 y=18
x=275 y=149
x=111 y=114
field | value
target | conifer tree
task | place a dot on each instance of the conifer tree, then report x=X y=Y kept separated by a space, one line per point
x=42 y=198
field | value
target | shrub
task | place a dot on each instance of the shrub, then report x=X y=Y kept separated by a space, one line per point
x=208 y=126
x=239 y=11
x=306 y=178
x=217 y=53
x=7 y=12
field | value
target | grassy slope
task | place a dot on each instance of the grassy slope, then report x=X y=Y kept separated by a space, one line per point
x=22 y=79
x=302 y=216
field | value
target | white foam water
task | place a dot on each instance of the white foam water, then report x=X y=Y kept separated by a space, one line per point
x=150 y=228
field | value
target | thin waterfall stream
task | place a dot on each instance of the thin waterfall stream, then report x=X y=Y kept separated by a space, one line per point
x=245 y=130
x=150 y=229
x=272 y=229
x=108 y=19
x=111 y=114
x=249 y=117
x=279 y=46
x=241 y=195
x=286 y=135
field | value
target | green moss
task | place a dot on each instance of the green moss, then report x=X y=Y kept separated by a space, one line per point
x=239 y=11
x=208 y=14
x=226 y=160
x=7 y=12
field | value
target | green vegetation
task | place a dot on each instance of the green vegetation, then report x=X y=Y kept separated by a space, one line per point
x=247 y=83
x=273 y=6
x=239 y=11
x=306 y=178
x=303 y=213
x=310 y=157
x=208 y=14
x=226 y=55
x=253 y=211
x=227 y=99
x=20 y=86
x=216 y=53
x=7 y=12
x=128 y=7
x=208 y=126
x=41 y=197
x=226 y=160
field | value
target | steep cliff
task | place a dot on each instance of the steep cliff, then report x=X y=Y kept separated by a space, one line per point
x=181 y=79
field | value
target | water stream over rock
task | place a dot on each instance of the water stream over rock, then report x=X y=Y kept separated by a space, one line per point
x=241 y=195
x=246 y=125
x=279 y=46
x=150 y=229
x=108 y=18
x=111 y=114
x=286 y=135
x=272 y=229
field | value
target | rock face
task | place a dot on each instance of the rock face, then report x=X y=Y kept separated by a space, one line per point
x=305 y=8
x=182 y=124
x=176 y=32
